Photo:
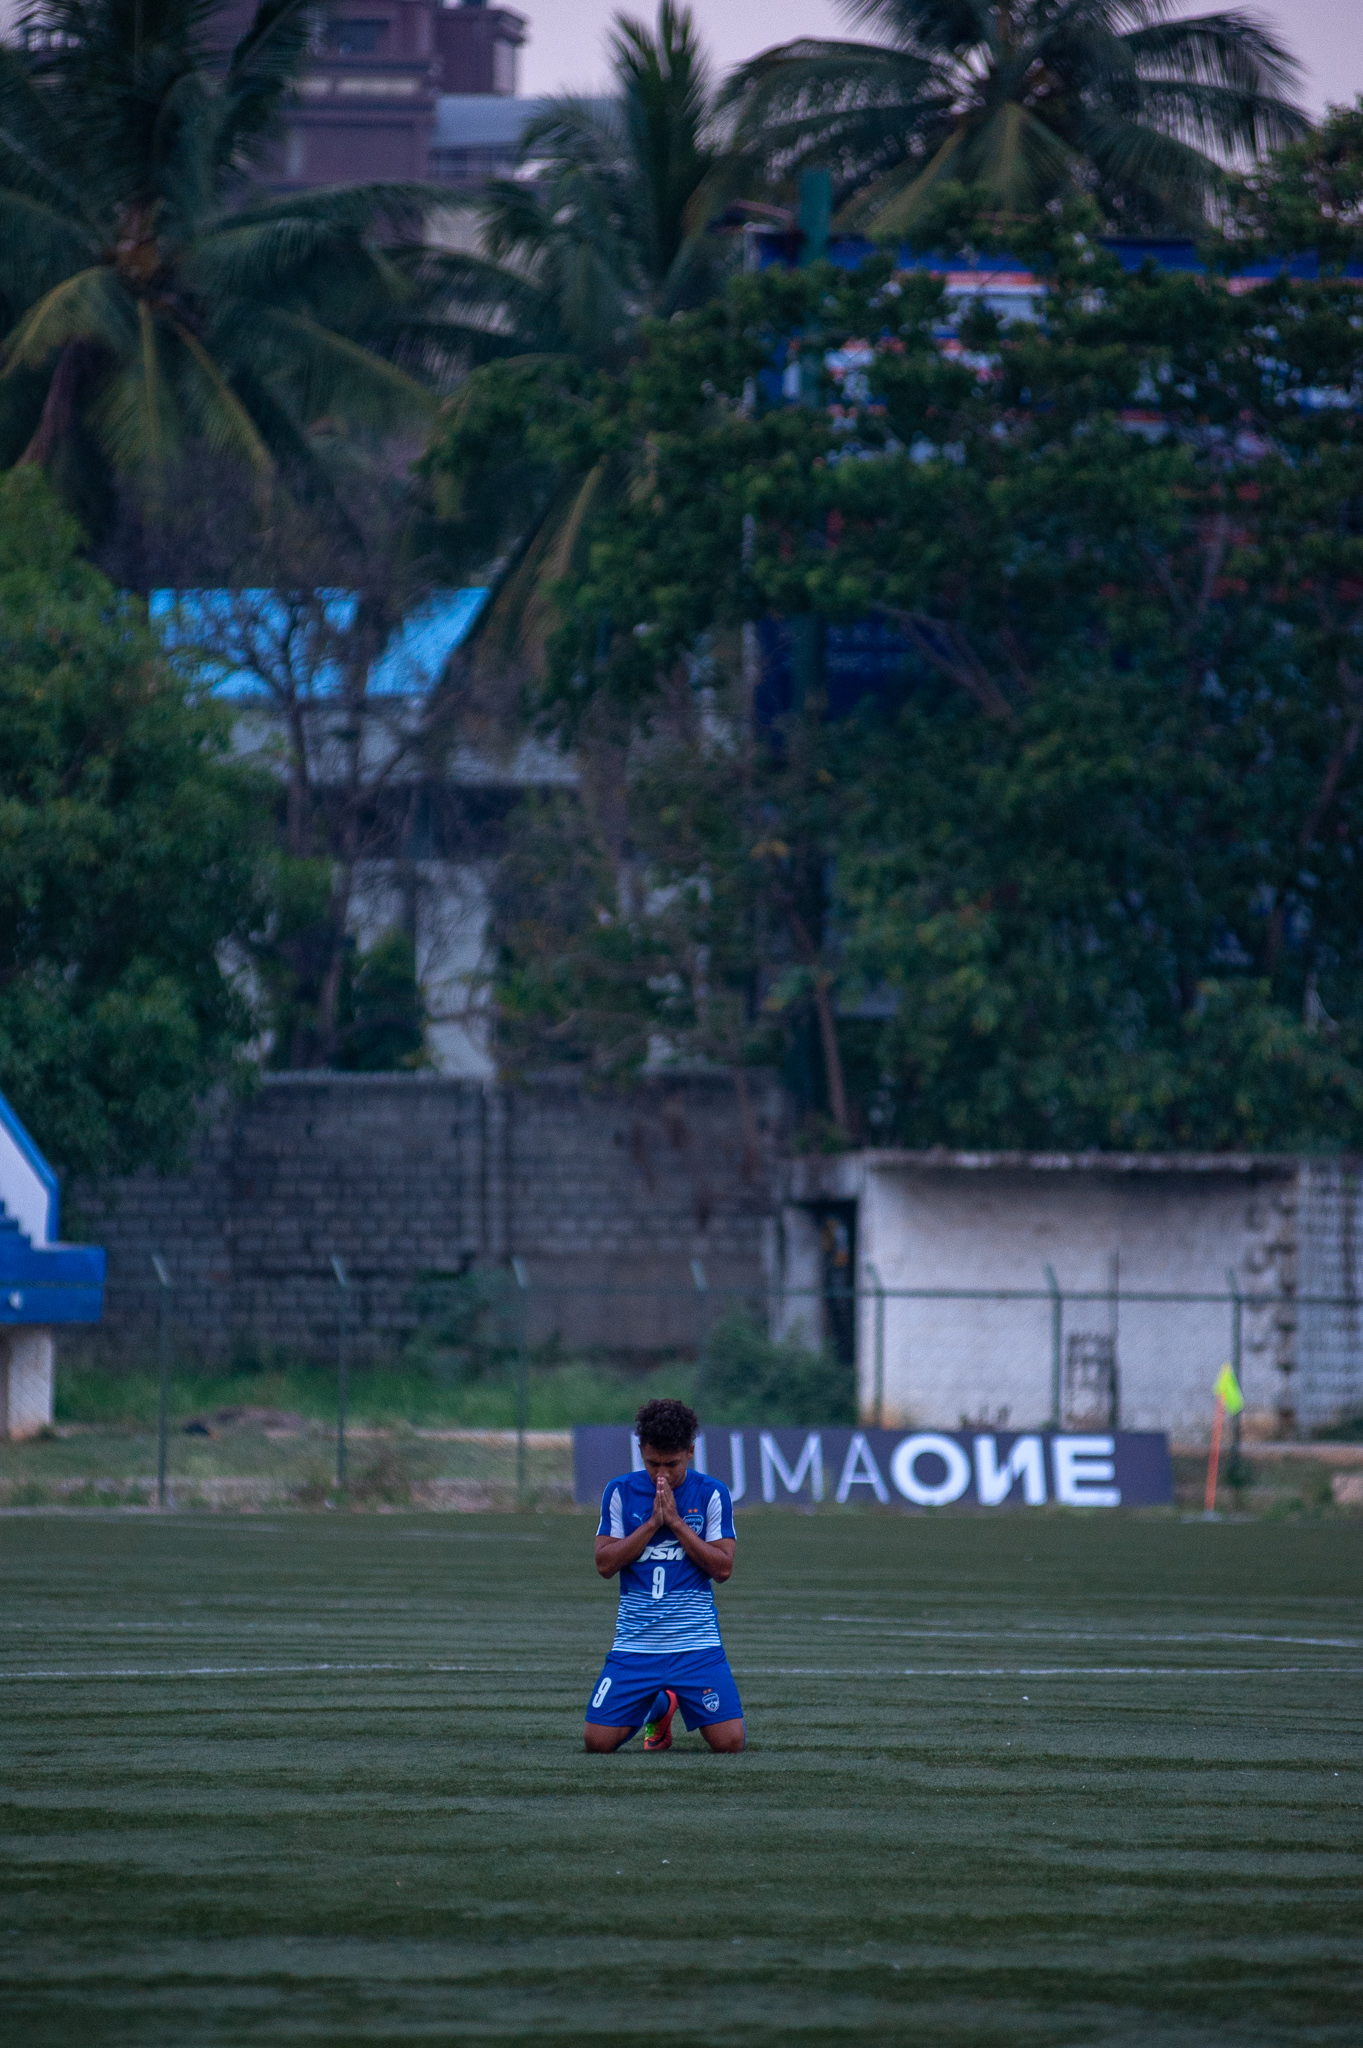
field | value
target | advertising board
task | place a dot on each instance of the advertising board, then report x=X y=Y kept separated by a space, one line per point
x=912 y=1469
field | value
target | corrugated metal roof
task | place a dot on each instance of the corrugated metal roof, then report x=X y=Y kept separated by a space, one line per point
x=939 y=1158
x=218 y=626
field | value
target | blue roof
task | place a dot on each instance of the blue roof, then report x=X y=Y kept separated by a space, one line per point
x=415 y=657
x=848 y=252
x=48 y=1283
x=218 y=629
x=40 y=1283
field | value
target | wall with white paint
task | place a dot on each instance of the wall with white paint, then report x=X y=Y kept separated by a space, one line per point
x=1109 y=1227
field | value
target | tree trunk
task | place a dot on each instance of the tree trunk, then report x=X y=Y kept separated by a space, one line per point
x=832 y=1055
x=364 y=641
x=828 y=1023
x=298 y=812
x=58 y=416
x=298 y=821
x=329 y=996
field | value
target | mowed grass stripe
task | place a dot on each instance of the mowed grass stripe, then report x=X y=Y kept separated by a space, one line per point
x=860 y=1672
x=420 y=1852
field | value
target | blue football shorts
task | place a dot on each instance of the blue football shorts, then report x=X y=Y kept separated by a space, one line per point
x=628 y=1686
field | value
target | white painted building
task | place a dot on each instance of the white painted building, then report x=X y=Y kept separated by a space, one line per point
x=43 y=1283
x=1016 y=1288
x=280 y=659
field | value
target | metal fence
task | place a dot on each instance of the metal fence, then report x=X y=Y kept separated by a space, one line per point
x=1026 y=1356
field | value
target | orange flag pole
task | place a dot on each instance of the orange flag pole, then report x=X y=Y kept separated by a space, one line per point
x=1214 y=1460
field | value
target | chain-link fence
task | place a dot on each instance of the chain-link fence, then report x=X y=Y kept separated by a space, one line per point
x=498 y=1346
x=1071 y=1357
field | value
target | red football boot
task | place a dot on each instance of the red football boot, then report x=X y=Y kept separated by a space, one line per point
x=658 y=1734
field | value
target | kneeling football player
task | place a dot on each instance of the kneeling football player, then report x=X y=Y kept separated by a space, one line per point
x=669 y=1532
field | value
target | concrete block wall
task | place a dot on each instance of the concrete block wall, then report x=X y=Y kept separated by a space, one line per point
x=406 y=1175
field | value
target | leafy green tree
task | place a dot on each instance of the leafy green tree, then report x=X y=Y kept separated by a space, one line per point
x=132 y=861
x=1306 y=196
x=511 y=474
x=1024 y=102
x=153 y=304
x=1141 y=922
x=303 y=664
x=1096 y=848
x=382 y=1010
x=611 y=231
x=687 y=885
x=748 y=1379
x=667 y=909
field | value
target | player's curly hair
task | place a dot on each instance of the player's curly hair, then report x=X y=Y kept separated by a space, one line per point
x=667 y=1425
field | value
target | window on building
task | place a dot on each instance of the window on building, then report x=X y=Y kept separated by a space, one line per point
x=355 y=38
x=504 y=68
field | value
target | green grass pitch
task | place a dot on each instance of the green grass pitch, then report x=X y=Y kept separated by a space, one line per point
x=1025 y=1779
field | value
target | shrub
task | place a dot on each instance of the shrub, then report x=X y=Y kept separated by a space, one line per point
x=748 y=1379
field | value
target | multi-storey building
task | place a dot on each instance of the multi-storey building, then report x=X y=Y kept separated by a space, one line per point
x=403 y=89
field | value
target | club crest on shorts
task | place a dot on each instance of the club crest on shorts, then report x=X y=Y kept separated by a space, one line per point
x=709 y=1699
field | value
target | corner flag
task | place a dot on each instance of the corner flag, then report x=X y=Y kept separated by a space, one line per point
x=1227 y=1389
x=1229 y=1401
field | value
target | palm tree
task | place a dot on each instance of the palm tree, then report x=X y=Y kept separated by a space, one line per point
x=612 y=227
x=1026 y=100
x=611 y=230
x=153 y=304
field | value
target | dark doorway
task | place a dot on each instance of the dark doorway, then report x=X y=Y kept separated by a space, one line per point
x=837 y=1225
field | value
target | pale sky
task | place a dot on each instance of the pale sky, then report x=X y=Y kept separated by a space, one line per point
x=565 y=51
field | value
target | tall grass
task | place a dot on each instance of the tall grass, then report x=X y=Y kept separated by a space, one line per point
x=743 y=1377
x=575 y=1391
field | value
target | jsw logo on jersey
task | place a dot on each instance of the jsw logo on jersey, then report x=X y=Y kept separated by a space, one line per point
x=664 y=1553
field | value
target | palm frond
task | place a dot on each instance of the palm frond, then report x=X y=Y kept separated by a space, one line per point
x=1025 y=98
x=1230 y=48
x=260 y=257
x=139 y=420
x=262 y=68
x=36 y=157
x=514 y=624
x=890 y=205
x=1156 y=171
x=180 y=311
x=1017 y=158
x=394 y=206
x=329 y=371
x=813 y=77
x=1222 y=120
x=225 y=422
x=91 y=305
x=39 y=246
x=152 y=385
x=574 y=130
x=945 y=26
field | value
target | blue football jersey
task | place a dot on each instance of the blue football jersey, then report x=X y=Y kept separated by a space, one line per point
x=666 y=1602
